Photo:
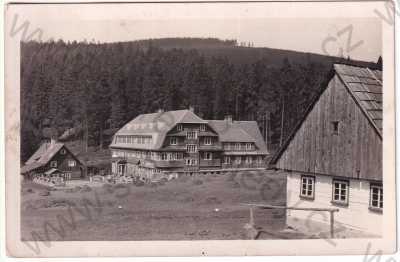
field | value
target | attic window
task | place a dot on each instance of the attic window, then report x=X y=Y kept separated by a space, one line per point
x=335 y=127
x=202 y=127
x=63 y=151
x=173 y=141
x=179 y=127
x=53 y=164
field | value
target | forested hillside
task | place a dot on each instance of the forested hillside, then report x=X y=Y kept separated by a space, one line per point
x=85 y=91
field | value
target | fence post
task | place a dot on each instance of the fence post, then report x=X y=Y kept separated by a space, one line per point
x=251 y=222
x=332 y=223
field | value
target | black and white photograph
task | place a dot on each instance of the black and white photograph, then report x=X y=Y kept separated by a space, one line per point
x=164 y=122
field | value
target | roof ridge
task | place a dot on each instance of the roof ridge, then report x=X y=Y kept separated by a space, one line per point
x=357 y=66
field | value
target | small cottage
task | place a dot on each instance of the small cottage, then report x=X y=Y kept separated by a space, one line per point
x=53 y=160
x=333 y=158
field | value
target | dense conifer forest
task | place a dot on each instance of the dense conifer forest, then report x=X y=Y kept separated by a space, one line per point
x=86 y=91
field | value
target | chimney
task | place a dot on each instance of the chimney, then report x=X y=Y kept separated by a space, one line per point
x=160 y=110
x=52 y=141
x=191 y=108
x=228 y=119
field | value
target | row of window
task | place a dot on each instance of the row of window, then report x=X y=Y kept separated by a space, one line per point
x=121 y=169
x=158 y=155
x=134 y=139
x=54 y=163
x=207 y=140
x=238 y=146
x=340 y=191
x=202 y=127
x=172 y=156
x=237 y=160
x=136 y=154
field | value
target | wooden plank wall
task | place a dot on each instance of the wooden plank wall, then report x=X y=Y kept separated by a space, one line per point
x=355 y=152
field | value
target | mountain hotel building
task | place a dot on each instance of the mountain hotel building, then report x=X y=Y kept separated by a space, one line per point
x=166 y=144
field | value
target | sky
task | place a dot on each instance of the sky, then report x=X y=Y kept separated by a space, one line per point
x=357 y=37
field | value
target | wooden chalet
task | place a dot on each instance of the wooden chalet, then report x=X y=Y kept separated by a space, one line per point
x=333 y=158
x=53 y=160
x=162 y=144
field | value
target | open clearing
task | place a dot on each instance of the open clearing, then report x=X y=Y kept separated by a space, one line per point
x=188 y=208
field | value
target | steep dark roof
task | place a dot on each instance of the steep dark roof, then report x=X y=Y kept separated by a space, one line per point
x=364 y=85
x=42 y=156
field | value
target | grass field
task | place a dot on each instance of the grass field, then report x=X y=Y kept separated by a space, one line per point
x=188 y=208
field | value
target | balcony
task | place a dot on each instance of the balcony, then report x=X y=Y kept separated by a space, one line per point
x=169 y=163
x=210 y=163
x=179 y=147
x=212 y=147
x=244 y=165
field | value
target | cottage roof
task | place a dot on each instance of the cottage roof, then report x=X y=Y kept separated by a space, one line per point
x=365 y=87
x=45 y=152
x=42 y=156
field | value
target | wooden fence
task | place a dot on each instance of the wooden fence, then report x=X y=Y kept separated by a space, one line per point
x=264 y=206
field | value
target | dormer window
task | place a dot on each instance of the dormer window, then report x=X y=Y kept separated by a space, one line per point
x=173 y=141
x=179 y=127
x=237 y=146
x=202 y=127
x=249 y=146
